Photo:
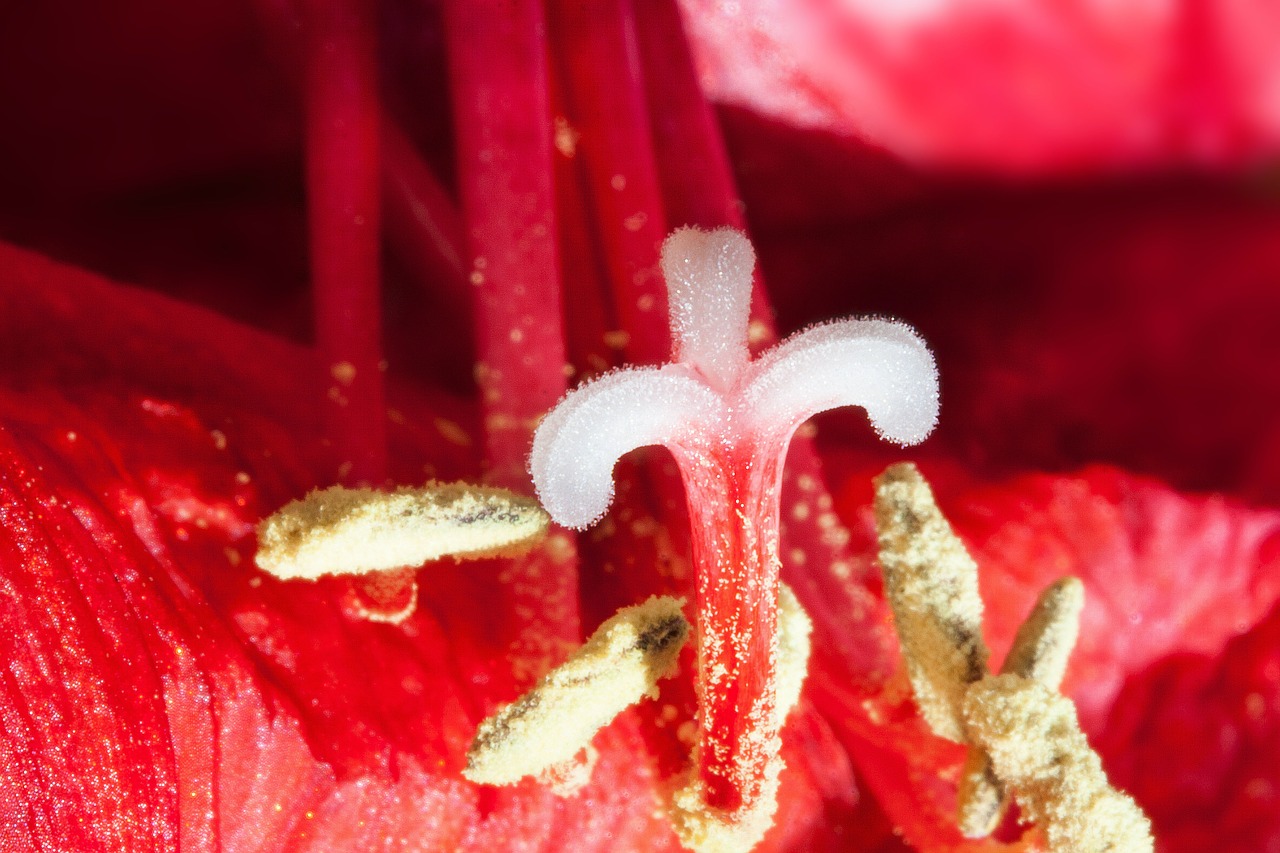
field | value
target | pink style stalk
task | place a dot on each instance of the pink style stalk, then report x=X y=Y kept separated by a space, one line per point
x=728 y=420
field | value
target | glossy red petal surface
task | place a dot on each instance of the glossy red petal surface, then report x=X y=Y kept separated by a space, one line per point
x=1195 y=739
x=152 y=666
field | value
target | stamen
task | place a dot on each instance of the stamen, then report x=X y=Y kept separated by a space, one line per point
x=617 y=667
x=1040 y=652
x=932 y=585
x=981 y=801
x=1022 y=734
x=1048 y=635
x=338 y=531
x=1037 y=747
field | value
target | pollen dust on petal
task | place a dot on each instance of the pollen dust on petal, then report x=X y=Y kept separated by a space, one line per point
x=1037 y=748
x=339 y=531
x=617 y=667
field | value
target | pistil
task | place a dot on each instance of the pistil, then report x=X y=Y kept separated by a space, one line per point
x=727 y=421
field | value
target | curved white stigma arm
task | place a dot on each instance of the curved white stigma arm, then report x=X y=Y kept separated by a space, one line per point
x=727 y=420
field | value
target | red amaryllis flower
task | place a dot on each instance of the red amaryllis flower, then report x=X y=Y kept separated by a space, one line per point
x=1109 y=411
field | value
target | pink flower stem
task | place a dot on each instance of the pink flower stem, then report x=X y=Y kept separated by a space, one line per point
x=343 y=182
x=499 y=79
x=698 y=185
x=422 y=222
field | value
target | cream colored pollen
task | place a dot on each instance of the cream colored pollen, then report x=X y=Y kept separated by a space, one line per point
x=703 y=829
x=339 y=531
x=1022 y=735
x=1036 y=746
x=617 y=667
x=1040 y=652
x=1046 y=638
x=932 y=586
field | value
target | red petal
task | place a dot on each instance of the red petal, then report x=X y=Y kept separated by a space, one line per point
x=1009 y=86
x=1195 y=740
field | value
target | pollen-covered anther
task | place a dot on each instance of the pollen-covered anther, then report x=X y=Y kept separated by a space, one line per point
x=384 y=537
x=1037 y=748
x=544 y=730
x=932 y=586
x=339 y=531
x=1040 y=652
x=1022 y=735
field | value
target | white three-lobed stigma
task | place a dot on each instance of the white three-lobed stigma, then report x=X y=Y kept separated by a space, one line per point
x=714 y=394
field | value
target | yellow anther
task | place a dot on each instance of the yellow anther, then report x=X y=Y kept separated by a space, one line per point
x=338 y=531
x=1022 y=735
x=794 y=647
x=617 y=667
x=1037 y=748
x=1047 y=637
x=932 y=586
x=1040 y=652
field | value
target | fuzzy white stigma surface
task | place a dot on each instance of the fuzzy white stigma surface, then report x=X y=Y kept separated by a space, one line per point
x=1037 y=748
x=340 y=531
x=616 y=668
x=932 y=586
